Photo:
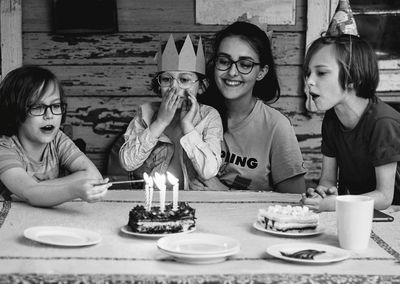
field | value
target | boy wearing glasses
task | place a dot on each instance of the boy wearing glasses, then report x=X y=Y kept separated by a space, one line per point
x=33 y=150
x=178 y=134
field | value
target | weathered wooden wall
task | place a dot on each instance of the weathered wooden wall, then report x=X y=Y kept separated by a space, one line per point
x=105 y=76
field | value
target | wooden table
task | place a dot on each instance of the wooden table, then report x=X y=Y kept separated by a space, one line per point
x=122 y=258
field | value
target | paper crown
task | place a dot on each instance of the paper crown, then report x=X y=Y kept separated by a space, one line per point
x=186 y=60
x=342 y=21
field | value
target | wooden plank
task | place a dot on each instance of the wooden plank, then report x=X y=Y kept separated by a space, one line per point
x=11 y=35
x=114 y=80
x=147 y=16
x=99 y=120
x=132 y=48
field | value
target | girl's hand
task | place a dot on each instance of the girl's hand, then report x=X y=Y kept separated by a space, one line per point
x=190 y=107
x=169 y=104
x=91 y=190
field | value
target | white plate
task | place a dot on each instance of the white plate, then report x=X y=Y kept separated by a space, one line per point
x=200 y=259
x=127 y=230
x=331 y=254
x=62 y=236
x=304 y=233
x=199 y=244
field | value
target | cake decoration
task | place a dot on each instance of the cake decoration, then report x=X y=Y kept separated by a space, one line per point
x=175 y=217
x=287 y=218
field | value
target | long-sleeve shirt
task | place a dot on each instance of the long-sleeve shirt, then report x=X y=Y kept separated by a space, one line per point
x=201 y=157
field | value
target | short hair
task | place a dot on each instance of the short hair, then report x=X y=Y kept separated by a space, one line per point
x=357 y=62
x=19 y=90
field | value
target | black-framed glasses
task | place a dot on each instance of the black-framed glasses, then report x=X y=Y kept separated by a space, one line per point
x=56 y=109
x=244 y=66
x=185 y=81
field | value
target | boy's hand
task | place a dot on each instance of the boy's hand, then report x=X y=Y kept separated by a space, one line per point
x=91 y=190
x=321 y=191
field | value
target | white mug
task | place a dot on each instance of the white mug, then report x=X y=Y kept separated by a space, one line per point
x=354 y=221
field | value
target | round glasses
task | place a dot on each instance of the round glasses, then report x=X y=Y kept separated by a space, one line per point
x=244 y=66
x=185 y=81
x=56 y=109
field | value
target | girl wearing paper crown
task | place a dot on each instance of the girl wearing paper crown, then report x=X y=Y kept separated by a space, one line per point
x=360 y=133
x=260 y=150
x=178 y=134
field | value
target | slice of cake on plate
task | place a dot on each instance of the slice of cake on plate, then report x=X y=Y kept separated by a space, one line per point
x=156 y=222
x=287 y=218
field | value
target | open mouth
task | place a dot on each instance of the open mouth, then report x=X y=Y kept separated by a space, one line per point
x=47 y=128
x=314 y=96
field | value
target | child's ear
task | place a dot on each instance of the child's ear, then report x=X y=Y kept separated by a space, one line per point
x=203 y=86
x=262 y=73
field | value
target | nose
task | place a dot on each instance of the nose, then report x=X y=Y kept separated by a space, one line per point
x=233 y=71
x=310 y=81
x=174 y=83
x=47 y=113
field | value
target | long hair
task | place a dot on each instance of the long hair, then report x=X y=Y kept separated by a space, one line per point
x=19 y=90
x=267 y=89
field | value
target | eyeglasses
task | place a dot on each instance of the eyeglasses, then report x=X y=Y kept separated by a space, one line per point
x=56 y=109
x=244 y=66
x=185 y=81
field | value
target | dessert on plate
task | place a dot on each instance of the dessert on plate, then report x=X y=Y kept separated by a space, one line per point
x=287 y=218
x=156 y=222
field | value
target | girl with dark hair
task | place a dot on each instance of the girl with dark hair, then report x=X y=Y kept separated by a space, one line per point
x=33 y=150
x=260 y=149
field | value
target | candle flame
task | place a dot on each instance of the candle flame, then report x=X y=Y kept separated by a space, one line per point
x=159 y=180
x=172 y=179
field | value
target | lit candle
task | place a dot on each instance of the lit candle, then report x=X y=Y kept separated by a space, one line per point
x=160 y=182
x=146 y=191
x=175 y=190
x=151 y=189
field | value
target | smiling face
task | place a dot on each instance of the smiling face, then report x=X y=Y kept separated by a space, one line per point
x=182 y=82
x=322 y=79
x=231 y=83
x=36 y=131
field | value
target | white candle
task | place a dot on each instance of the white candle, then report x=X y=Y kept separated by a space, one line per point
x=175 y=190
x=160 y=182
x=146 y=191
x=151 y=189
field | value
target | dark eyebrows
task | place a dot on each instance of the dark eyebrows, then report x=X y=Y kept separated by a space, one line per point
x=240 y=57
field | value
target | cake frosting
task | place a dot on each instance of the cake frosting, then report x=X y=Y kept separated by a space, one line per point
x=287 y=218
x=156 y=222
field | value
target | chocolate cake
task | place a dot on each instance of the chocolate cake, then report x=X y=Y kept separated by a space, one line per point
x=157 y=222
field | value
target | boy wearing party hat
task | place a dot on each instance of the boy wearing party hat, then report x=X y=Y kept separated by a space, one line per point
x=178 y=134
x=360 y=133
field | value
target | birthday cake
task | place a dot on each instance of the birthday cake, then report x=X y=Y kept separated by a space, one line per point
x=287 y=218
x=156 y=222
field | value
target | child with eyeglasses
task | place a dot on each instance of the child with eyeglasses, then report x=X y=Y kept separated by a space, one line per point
x=260 y=149
x=178 y=134
x=34 y=151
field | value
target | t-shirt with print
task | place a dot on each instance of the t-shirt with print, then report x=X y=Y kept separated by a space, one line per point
x=58 y=155
x=374 y=141
x=260 y=151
